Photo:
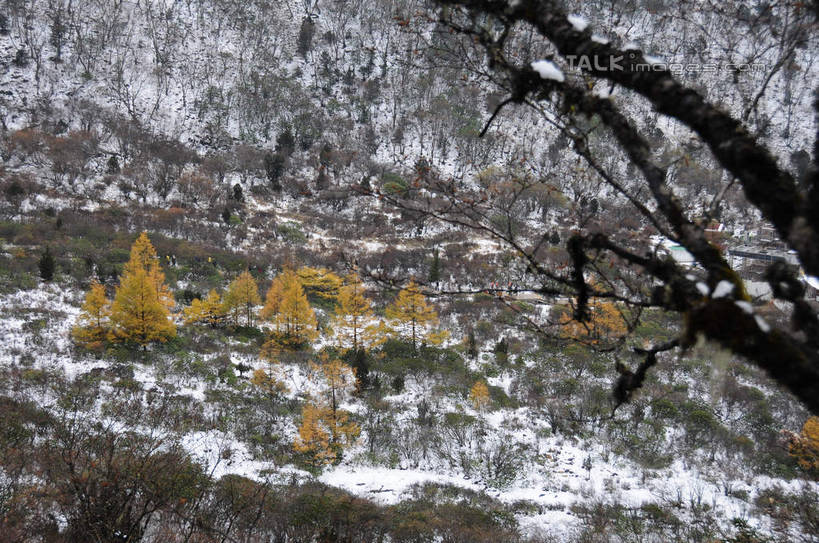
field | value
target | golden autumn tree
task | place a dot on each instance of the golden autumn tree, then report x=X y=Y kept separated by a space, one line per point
x=286 y=305
x=140 y=311
x=805 y=446
x=93 y=323
x=352 y=323
x=606 y=324
x=479 y=395
x=314 y=438
x=319 y=282
x=241 y=297
x=326 y=428
x=269 y=384
x=143 y=256
x=413 y=318
x=209 y=311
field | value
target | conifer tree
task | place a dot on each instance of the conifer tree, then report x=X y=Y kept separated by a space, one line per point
x=319 y=282
x=313 y=438
x=93 y=323
x=47 y=265
x=479 y=395
x=241 y=297
x=326 y=428
x=413 y=317
x=209 y=311
x=471 y=345
x=352 y=323
x=140 y=312
x=805 y=447
x=605 y=325
x=435 y=269
x=287 y=306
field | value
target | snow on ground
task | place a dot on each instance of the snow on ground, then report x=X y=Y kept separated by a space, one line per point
x=554 y=475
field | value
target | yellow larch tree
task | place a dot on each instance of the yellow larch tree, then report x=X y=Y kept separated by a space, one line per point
x=326 y=428
x=805 y=446
x=319 y=282
x=93 y=323
x=479 y=395
x=286 y=305
x=352 y=323
x=313 y=438
x=241 y=297
x=140 y=311
x=413 y=318
x=209 y=311
x=271 y=386
x=606 y=324
x=143 y=256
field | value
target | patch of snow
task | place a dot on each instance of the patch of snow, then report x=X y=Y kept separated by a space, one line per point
x=724 y=288
x=548 y=70
x=745 y=306
x=579 y=22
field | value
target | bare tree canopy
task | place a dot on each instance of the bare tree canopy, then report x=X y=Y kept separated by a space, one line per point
x=590 y=92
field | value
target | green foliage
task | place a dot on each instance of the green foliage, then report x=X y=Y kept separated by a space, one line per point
x=291 y=233
x=46 y=265
x=394 y=184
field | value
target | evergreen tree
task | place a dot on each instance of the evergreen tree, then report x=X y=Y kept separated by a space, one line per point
x=435 y=269
x=286 y=141
x=274 y=167
x=242 y=296
x=113 y=167
x=413 y=317
x=140 y=312
x=305 y=39
x=359 y=361
x=93 y=322
x=471 y=345
x=238 y=194
x=47 y=265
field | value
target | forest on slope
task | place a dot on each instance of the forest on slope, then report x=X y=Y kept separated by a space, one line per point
x=318 y=271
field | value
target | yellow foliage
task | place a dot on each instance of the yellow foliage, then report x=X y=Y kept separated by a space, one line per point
x=412 y=317
x=325 y=428
x=606 y=324
x=805 y=447
x=143 y=256
x=287 y=306
x=338 y=378
x=93 y=322
x=320 y=282
x=208 y=311
x=241 y=297
x=268 y=384
x=140 y=312
x=314 y=438
x=479 y=395
x=352 y=323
